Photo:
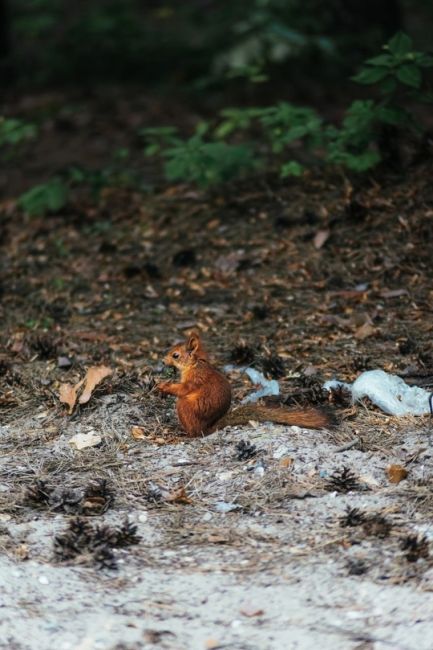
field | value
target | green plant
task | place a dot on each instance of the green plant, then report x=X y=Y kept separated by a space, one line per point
x=358 y=144
x=286 y=123
x=398 y=72
x=236 y=119
x=47 y=197
x=14 y=131
x=353 y=145
x=399 y=65
x=54 y=194
x=205 y=162
x=157 y=138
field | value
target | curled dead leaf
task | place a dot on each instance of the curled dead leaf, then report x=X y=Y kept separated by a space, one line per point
x=94 y=375
x=138 y=433
x=94 y=505
x=22 y=552
x=365 y=331
x=251 y=610
x=396 y=473
x=178 y=496
x=68 y=393
x=286 y=462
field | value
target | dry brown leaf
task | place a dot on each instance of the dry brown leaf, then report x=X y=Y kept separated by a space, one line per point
x=7 y=398
x=251 y=610
x=68 y=393
x=365 y=331
x=396 y=473
x=22 y=552
x=94 y=375
x=320 y=238
x=286 y=462
x=138 y=433
x=94 y=505
x=178 y=496
x=212 y=644
x=216 y=538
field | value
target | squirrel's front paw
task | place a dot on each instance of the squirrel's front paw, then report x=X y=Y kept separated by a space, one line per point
x=163 y=387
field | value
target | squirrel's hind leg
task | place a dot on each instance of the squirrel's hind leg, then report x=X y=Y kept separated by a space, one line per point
x=188 y=417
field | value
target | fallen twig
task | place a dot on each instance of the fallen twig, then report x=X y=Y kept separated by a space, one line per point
x=348 y=445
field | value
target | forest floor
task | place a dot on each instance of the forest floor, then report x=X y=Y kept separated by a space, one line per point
x=292 y=538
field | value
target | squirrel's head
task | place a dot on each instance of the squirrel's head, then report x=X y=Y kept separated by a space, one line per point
x=184 y=354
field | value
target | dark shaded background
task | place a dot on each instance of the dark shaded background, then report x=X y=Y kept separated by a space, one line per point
x=193 y=46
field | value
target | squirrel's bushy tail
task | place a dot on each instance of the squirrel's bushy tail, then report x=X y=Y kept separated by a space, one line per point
x=310 y=418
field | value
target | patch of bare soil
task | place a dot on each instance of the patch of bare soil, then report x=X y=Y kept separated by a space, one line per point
x=256 y=538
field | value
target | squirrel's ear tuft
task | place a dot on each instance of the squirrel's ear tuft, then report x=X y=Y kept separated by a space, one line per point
x=193 y=342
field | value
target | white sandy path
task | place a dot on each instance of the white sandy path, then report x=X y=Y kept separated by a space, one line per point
x=44 y=607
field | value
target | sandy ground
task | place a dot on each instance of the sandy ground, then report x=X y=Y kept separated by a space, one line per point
x=277 y=571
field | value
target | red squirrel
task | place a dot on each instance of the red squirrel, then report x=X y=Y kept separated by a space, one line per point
x=204 y=396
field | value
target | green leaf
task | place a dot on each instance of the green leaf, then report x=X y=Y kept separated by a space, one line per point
x=291 y=168
x=202 y=128
x=394 y=116
x=358 y=162
x=76 y=175
x=152 y=149
x=13 y=131
x=425 y=61
x=235 y=119
x=48 y=197
x=371 y=75
x=383 y=59
x=400 y=44
x=425 y=97
x=388 y=86
x=207 y=163
x=410 y=75
x=363 y=161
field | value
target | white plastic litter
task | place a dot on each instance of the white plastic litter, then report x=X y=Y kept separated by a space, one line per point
x=223 y=506
x=335 y=384
x=389 y=392
x=268 y=386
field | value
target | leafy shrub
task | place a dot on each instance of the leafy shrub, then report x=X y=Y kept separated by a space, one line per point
x=356 y=144
x=398 y=72
x=54 y=195
x=197 y=160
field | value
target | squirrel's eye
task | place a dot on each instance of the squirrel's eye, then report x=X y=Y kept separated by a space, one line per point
x=176 y=355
